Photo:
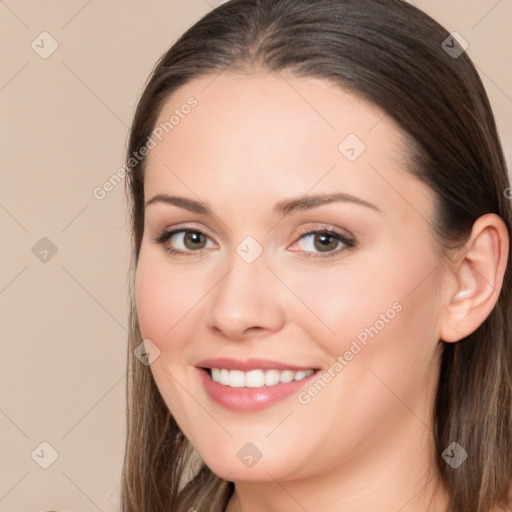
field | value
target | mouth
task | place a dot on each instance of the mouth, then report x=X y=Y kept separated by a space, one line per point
x=249 y=386
x=255 y=378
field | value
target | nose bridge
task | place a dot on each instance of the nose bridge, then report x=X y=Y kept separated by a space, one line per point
x=245 y=297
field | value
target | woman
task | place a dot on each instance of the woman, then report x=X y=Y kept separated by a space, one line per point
x=321 y=275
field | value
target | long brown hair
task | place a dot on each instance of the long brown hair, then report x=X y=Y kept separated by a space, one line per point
x=393 y=55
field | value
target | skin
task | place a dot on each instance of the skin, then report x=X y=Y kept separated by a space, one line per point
x=365 y=441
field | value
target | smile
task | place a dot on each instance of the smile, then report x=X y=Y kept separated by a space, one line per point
x=247 y=391
x=256 y=378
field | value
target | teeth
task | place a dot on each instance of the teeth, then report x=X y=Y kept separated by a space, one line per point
x=256 y=378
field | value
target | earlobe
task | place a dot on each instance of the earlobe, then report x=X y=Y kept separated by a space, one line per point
x=478 y=278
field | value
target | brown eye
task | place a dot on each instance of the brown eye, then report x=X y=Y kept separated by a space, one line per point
x=324 y=242
x=194 y=240
x=183 y=240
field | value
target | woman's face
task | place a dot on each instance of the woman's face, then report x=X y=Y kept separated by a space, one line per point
x=358 y=304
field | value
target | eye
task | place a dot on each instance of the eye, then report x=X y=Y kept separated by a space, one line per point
x=326 y=241
x=183 y=241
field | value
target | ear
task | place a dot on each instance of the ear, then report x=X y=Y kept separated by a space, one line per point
x=477 y=278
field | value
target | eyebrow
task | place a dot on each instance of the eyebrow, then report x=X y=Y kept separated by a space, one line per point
x=282 y=208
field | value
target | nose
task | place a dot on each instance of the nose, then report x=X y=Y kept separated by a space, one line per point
x=246 y=301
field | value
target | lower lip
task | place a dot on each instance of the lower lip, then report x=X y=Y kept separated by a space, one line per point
x=250 y=399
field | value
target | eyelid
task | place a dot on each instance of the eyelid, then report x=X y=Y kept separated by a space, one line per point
x=184 y=227
x=324 y=227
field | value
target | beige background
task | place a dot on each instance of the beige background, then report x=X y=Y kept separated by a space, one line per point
x=64 y=121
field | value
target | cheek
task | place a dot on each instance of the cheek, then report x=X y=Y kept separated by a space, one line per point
x=149 y=296
x=386 y=305
x=159 y=299
x=339 y=303
x=168 y=301
x=161 y=310
x=383 y=349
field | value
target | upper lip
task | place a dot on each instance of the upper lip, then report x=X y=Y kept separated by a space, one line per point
x=250 y=364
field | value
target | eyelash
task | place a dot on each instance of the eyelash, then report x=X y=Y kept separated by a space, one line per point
x=325 y=230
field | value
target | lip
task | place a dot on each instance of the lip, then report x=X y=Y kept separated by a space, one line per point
x=250 y=364
x=251 y=399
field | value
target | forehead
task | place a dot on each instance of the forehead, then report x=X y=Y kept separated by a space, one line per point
x=277 y=133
